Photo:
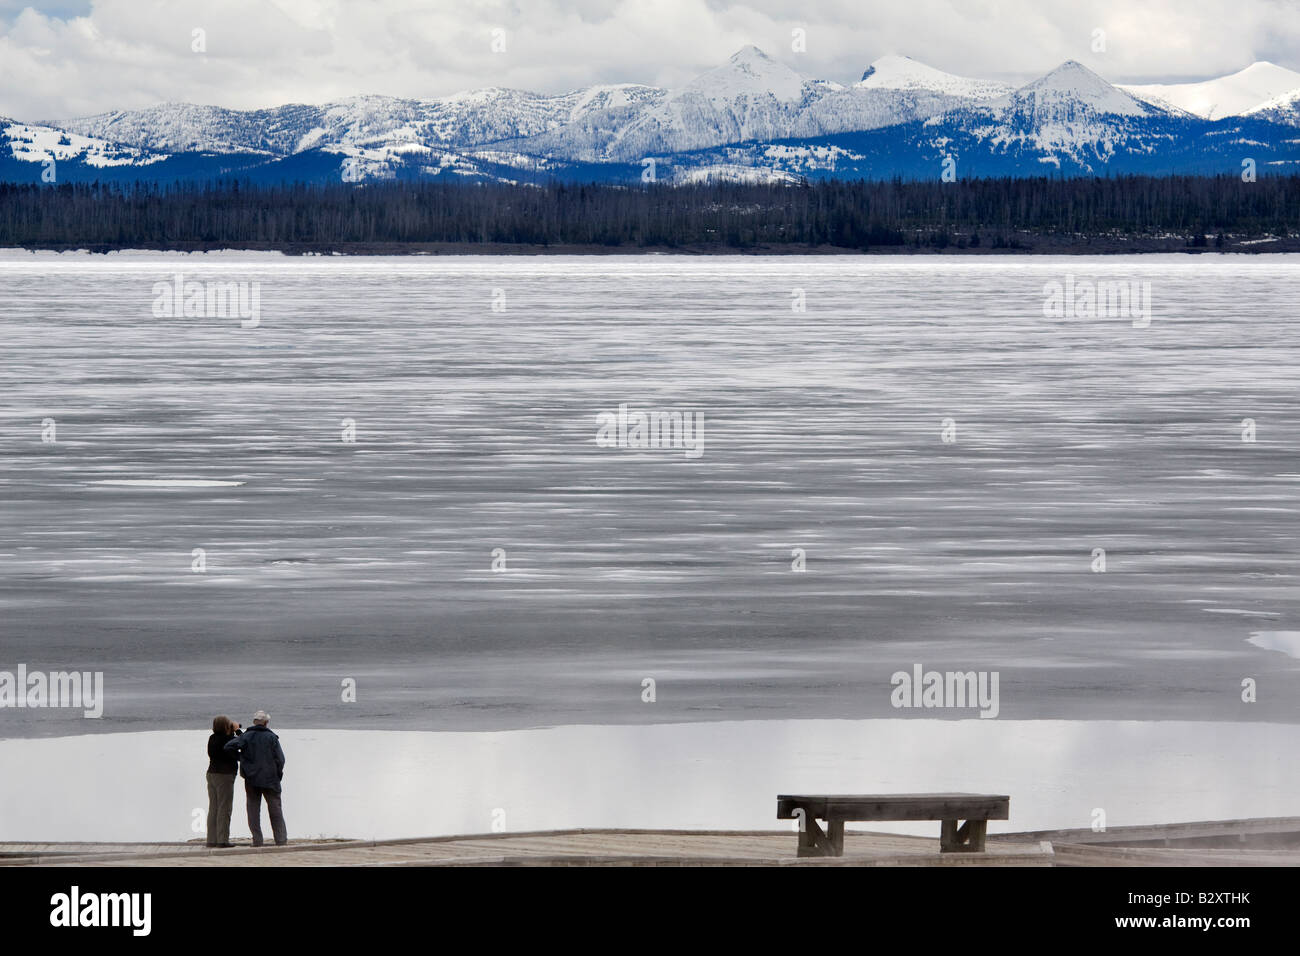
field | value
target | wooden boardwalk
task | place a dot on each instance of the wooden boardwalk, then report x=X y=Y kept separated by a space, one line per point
x=1264 y=841
x=1271 y=842
x=543 y=848
x=1260 y=832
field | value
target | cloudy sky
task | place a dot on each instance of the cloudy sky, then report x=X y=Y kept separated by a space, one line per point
x=62 y=58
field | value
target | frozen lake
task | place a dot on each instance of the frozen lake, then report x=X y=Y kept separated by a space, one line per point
x=475 y=385
x=719 y=775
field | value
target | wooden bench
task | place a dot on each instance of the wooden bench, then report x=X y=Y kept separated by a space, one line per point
x=976 y=809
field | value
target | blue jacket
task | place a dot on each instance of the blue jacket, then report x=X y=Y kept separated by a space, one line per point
x=261 y=761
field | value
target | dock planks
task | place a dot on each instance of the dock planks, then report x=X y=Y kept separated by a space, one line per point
x=546 y=848
x=1269 y=842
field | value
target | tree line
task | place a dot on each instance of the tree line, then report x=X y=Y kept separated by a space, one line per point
x=725 y=216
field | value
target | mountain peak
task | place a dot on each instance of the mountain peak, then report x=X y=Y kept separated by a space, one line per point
x=1245 y=91
x=749 y=71
x=891 y=69
x=1266 y=73
x=750 y=54
x=903 y=73
x=1073 y=85
x=1070 y=72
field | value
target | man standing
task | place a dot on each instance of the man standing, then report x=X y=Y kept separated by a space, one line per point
x=261 y=761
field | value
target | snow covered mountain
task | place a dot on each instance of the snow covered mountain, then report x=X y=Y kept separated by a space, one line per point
x=361 y=122
x=1283 y=109
x=1069 y=93
x=751 y=118
x=38 y=144
x=1232 y=95
x=904 y=73
x=898 y=89
x=751 y=96
x=187 y=128
x=1071 y=111
x=1068 y=122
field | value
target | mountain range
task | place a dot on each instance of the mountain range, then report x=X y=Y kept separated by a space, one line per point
x=753 y=119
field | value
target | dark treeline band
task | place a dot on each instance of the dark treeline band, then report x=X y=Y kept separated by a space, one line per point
x=978 y=213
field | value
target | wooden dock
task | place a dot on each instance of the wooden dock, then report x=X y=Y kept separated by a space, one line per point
x=1264 y=841
x=1274 y=842
x=540 y=848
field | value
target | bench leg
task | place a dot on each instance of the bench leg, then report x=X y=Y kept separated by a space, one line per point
x=947 y=836
x=968 y=838
x=813 y=841
x=835 y=833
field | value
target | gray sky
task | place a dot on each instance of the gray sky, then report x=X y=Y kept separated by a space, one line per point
x=61 y=58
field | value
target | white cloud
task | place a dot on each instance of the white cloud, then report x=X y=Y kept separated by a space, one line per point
x=71 y=58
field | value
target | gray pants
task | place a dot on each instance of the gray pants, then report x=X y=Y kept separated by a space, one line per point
x=221 y=800
x=253 y=797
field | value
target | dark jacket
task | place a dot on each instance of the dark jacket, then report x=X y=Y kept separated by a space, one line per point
x=218 y=760
x=261 y=761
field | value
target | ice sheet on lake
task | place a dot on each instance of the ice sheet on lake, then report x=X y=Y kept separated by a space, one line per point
x=167 y=482
x=723 y=775
x=477 y=430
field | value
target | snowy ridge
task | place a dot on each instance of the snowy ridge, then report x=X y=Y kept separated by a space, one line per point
x=1243 y=92
x=36 y=144
x=754 y=98
x=752 y=117
x=1071 y=113
x=751 y=96
x=904 y=73
x=1281 y=109
x=1069 y=91
x=749 y=73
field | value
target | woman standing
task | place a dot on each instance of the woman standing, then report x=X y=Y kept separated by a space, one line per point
x=222 y=768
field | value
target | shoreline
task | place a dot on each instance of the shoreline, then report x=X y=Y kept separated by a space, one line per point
x=596 y=726
x=1041 y=246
